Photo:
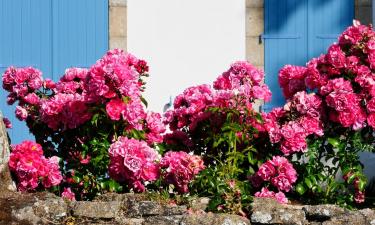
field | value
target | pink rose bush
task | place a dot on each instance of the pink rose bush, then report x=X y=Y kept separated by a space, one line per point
x=94 y=134
x=96 y=122
x=329 y=116
x=32 y=169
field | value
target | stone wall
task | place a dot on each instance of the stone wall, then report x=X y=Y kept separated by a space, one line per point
x=132 y=209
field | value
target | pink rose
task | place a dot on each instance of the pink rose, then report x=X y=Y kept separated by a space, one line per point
x=115 y=107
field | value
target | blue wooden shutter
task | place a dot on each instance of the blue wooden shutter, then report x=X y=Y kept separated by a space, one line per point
x=24 y=41
x=80 y=31
x=327 y=20
x=51 y=36
x=285 y=41
x=298 y=30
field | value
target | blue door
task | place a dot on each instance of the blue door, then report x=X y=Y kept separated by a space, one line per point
x=51 y=36
x=298 y=30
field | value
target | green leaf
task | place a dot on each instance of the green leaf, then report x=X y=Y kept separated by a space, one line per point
x=351 y=178
x=144 y=101
x=334 y=142
x=308 y=182
x=300 y=188
x=362 y=184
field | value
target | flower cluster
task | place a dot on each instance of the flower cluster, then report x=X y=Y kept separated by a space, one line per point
x=180 y=168
x=115 y=80
x=31 y=168
x=280 y=172
x=265 y=193
x=134 y=162
x=7 y=123
x=246 y=80
x=342 y=78
x=241 y=83
x=290 y=125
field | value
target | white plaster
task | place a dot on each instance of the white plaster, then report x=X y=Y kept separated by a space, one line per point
x=186 y=42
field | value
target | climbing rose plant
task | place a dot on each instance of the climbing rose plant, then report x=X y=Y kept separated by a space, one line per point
x=93 y=126
x=329 y=118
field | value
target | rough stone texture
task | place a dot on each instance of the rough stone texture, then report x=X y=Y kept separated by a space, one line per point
x=323 y=212
x=268 y=211
x=118 y=24
x=101 y=210
x=133 y=209
x=254 y=28
x=6 y=182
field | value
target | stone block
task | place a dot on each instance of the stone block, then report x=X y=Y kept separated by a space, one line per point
x=269 y=211
x=6 y=182
x=117 y=2
x=117 y=21
x=323 y=212
x=255 y=3
x=254 y=51
x=254 y=22
x=98 y=210
x=118 y=42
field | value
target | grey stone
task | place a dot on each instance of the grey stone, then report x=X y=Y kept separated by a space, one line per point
x=349 y=218
x=210 y=218
x=322 y=212
x=269 y=211
x=6 y=182
x=51 y=209
x=107 y=210
x=200 y=203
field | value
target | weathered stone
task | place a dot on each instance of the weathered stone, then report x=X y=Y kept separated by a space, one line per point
x=52 y=209
x=200 y=203
x=117 y=21
x=163 y=220
x=132 y=209
x=322 y=212
x=40 y=208
x=150 y=208
x=6 y=182
x=118 y=42
x=254 y=22
x=108 y=210
x=269 y=211
x=255 y=3
x=348 y=218
x=369 y=215
x=210 y=218
x=254 y=51
x=117 y=2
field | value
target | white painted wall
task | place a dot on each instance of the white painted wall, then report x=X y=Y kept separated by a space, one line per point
x=186 y=42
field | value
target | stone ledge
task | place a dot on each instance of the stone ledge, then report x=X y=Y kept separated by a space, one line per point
x=132 y=209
